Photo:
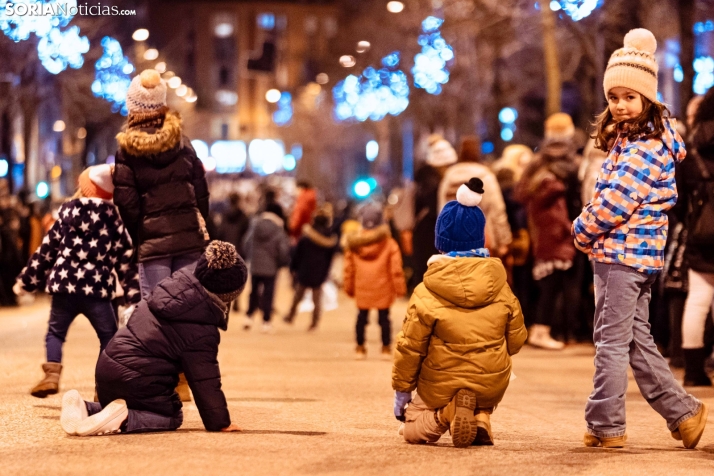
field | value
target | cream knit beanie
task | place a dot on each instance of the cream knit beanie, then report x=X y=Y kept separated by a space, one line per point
x=634 y=66
x=147 y=93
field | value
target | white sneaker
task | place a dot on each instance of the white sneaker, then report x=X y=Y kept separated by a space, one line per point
x=247 y=323
x=539 y=336
x=74 y=411
x=106 y=422
x=267 y=328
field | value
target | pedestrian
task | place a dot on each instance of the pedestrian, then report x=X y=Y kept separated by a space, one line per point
x=373 y=275
x=75 y=264
x=696 y=175
x=175 y=330
x=305 y=206
x=463 y=324
x=160 y=184
x=310 y=264
x=498 y=232
x=548 y=188
x=425 y=192
x=267 y=246
x=623 y=229
x=234 y=227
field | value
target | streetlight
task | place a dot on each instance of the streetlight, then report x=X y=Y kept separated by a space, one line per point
x=142 y=34
x=160 y=67
x=151 y=54
x=395 y=7
x=182 y=91
x=174 y=82
x=58 y=126
x=363 y=46
x=272 y=96
x=347 y=61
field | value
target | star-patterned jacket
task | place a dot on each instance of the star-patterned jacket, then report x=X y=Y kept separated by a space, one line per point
x=79 y=253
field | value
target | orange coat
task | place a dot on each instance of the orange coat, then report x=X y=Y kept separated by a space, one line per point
x=305 y=206
x=373 y=269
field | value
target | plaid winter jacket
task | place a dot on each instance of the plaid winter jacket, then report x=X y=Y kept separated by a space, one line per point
x=626 y=219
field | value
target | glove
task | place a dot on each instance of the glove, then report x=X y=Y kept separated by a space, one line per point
x=400 y=403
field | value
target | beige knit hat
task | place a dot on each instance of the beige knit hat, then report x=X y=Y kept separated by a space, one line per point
x=147 y=93
x=634 y=66
x=559 y=126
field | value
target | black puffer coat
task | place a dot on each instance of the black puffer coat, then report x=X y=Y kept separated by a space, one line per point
x=313 y=256
x=175 y=331
x=161 y=191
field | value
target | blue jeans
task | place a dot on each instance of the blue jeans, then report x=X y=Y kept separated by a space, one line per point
x=622 y=336
x=152 y=272
x=65 y=308
x=142 y=421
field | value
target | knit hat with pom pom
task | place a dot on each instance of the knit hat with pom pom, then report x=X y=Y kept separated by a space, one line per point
x=146 y=99
x=461 y=224
x=634 y=66
x=222 y=271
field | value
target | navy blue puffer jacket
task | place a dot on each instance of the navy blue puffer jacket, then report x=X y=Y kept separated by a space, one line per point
x=175 y=331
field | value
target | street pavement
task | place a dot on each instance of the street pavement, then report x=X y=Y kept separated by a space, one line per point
x=307 y=407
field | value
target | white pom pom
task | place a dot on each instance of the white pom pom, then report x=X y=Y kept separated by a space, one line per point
x=641 y=39
x=467 y=197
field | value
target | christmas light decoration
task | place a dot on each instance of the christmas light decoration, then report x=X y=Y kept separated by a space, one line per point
x=284 y=115
x=431 y=65
x=112 y=75
x=577 y=9
x=704 y=78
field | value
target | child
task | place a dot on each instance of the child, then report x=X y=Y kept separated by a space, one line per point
x=373 y=275
x=176 y=330
x=311 y=264
x=268 y=247
x=74 y=264
x=624 y=229
x=463 y=324
x=161 y=188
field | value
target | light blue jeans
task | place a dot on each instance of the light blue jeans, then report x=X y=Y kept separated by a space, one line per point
x=154 y=271
x=622 y=336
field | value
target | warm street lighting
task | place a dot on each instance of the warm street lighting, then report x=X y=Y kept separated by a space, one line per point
x=182 y=90
x=363 y=46
x=58 y=126
x=169 y=74
x=142 y=34
x=322 y=78
x=160 y=67
x=151 y=54
x=272 y=96
x=395 y=7
x=193 y=98
x=174 y=82
x=347 y=61
x=223 y=30
x=81 y=133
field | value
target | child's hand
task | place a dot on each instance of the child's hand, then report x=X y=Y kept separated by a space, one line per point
x=231 y=428
x=400 y=403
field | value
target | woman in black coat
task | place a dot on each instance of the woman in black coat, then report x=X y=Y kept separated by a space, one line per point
x=160 y=185
x=696 y=181
x=175 y=330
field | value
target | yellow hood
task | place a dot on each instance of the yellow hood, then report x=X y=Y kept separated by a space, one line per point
x=466 y=282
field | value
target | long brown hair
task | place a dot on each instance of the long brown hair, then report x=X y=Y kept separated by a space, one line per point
x=648 y=125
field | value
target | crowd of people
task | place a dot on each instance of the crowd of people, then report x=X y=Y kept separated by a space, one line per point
x=568 y=240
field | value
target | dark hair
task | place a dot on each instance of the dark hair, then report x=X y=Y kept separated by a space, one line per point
x=705 y=111
x=304 y=184
x=470 y=150
x=648 y=125
x=234 y=199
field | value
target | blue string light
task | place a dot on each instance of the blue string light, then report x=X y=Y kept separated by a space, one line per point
x=577 y=9
x=704 y=78
x=284 y=115
x=111 y=79
x=57 y=49
x=431 y=65
x=373 y=94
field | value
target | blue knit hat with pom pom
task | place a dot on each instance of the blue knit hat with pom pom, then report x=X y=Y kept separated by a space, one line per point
x=461 y=224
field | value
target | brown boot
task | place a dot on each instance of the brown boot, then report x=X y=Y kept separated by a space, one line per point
x=182 y=389
x=611 y=442
x=459 y=414
x=690 y=430
x=50 y=384
x=484 y=437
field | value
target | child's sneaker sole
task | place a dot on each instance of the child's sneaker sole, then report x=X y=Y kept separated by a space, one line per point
x=463 y=426
x=74 y=411
x=106 y=422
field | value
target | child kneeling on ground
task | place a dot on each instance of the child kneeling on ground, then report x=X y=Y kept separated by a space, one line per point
x=463 y=324
x=175 y=331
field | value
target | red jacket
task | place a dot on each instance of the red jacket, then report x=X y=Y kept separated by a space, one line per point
x=302 y=213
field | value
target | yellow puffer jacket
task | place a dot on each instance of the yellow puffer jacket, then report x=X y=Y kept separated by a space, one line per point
x=462 y=326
